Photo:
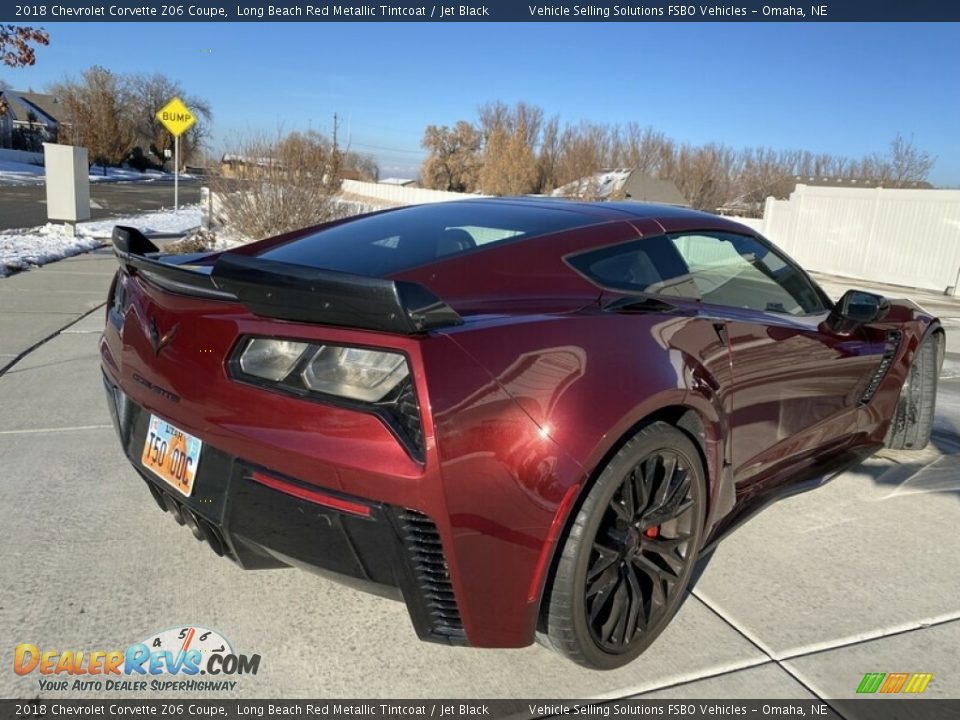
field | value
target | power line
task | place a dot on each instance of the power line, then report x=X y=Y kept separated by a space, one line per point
x=390 y=149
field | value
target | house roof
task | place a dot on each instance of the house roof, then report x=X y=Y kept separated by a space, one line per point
x=20 y=105
x=630 y=184
x=650 y=189
x=599 y=185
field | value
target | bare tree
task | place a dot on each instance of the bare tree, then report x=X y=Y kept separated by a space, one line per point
x=705 y=175
x=363 y=164
x=548 y=158
x=453 y=162
x=641 y=149
x=510 y=136
x=709 y=176
x=491 y=116
x=528 y=119
x=584 y=152
x=280 y=184
x=908 y=164
x=764 y=173
x=97 y=115
x=509 y=166
x=16 y=41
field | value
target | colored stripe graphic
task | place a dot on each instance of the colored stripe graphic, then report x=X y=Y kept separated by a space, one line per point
x=870 y=683
x=892 y=683
x=918 y=682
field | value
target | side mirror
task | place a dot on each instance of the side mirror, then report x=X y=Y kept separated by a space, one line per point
x=855 y=308
x=863 y=307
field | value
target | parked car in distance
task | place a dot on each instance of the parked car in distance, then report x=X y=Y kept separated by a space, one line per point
x=525 y=418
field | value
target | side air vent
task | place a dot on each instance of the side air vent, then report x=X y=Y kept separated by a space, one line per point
x=890 y=348
x=432 y=575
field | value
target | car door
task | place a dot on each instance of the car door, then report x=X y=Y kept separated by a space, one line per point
x=796 y=386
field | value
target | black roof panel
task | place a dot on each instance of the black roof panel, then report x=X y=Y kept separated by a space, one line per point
x=392 y=242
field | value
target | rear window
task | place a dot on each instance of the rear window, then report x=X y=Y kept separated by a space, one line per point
x=393 y=242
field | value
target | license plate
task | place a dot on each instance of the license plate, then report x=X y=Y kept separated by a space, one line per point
x=171 y=454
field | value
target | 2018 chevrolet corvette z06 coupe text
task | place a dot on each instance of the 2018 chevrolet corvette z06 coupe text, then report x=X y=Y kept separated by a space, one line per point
x=526 y=418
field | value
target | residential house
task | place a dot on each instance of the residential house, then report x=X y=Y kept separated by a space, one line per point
x=623 y=184
x=28 y=120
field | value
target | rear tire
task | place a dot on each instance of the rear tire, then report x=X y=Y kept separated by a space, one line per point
x=912 y=422
x=626 y=562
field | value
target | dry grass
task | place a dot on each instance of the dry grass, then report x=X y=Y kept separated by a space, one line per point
x=197 y=241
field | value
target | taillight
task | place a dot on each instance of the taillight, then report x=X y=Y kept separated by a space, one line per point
x=371 y=380
x=117 y=299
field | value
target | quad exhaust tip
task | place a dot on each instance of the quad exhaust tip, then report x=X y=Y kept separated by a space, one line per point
x=202 y=529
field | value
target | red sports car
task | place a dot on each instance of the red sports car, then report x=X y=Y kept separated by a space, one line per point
x=526 y=418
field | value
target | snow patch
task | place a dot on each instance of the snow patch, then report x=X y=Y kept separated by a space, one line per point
x=600 y=185
x=19 y=173
x=22 y=249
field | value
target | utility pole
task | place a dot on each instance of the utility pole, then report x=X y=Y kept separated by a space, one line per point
x=333 y=172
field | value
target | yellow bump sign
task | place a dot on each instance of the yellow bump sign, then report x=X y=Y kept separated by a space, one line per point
x=176 y=117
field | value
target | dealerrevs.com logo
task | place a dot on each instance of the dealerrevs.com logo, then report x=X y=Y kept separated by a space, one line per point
x=182 y=659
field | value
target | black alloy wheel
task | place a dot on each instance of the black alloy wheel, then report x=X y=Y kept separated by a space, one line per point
x=628 y=557
x=640 y=550
x=912 y=423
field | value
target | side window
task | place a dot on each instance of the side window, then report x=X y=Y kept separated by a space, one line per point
x=651 y=265
x=718 y=268
x=484 y=235
x=739 y=271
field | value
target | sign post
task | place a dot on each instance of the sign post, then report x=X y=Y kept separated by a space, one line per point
x=177 y=118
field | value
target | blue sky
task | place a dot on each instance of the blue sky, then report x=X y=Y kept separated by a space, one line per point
x=837 y=88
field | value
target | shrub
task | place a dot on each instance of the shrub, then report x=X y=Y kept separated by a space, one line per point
x=271 y=186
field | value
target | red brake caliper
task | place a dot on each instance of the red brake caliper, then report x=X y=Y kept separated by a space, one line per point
x=652 y=532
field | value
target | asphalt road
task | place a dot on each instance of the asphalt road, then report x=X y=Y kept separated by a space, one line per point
x=24 y=206
x=857 y=576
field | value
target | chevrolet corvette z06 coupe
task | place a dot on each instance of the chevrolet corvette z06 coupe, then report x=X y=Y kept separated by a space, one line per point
x=524 y=418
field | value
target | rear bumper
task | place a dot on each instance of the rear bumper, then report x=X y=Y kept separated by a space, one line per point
x=377 y=547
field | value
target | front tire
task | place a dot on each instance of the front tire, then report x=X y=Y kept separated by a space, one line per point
x=626 y=562
x=912 y=422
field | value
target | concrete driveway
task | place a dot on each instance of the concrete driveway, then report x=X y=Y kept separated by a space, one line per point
x=859 y=576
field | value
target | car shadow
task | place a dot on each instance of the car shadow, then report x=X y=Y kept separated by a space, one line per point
x=935 y=469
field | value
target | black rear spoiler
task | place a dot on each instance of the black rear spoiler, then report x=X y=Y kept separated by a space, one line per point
x=131 y=246
x=295 y=292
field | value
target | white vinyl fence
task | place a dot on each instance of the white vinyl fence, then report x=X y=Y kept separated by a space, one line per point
x=396 y=195
x=903 y=237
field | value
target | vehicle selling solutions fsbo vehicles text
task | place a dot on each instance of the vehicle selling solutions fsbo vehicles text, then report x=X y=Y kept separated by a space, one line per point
x=675 y=11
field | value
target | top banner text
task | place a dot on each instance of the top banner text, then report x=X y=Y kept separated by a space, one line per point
x=488 y=11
